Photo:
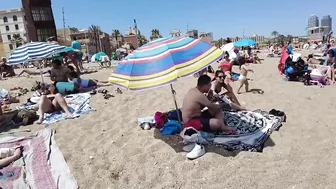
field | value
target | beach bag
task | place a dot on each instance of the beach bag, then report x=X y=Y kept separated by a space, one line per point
x=160 y=119
x=26 y=117
x=170 y=128
x=172 y=115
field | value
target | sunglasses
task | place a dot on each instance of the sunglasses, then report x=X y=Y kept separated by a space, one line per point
x=220 y=77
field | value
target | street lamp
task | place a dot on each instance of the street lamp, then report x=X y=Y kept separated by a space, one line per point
x=86 y=39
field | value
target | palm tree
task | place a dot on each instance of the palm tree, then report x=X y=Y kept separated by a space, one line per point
x=275 y=34
x=73 y=29
x=142 y=40
x=116 y=33
x=95 y=31
x=155 y=34
x=17 y=40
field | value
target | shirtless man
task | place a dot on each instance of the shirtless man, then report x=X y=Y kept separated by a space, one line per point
x=195 y=101
x=59 y=73
x=6 y=70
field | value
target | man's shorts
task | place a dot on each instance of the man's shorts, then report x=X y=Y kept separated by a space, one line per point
x=79 y=56
x=201 y=123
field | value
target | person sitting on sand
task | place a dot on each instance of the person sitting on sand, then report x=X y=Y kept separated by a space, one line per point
x=6 y=70
x=256 y=59
x=85 y=84
x=51 y=103
x=234 y=56
x=226 y=65
x=331 y=61
x=219 y=83
x=243 y=74
x=59 y=73
x=9 y=155
x=193 y=103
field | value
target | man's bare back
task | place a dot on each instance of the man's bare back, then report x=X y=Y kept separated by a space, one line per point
x=191 y=107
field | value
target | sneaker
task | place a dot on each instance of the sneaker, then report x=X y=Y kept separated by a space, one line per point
x=196 y=152
x=189 y=147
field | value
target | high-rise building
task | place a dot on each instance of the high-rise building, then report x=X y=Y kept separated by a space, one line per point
x=326 y=23
x=313 y=21
x=40 y=19
x=13 y=29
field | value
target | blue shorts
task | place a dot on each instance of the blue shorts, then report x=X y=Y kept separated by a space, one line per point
x=79 y=56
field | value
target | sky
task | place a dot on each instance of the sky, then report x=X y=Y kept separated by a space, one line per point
x=223 y=18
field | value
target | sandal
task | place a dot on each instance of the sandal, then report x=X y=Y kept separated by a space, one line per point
x=107 y=96
x=93 y=92
x=104 y=91
x=119 y=91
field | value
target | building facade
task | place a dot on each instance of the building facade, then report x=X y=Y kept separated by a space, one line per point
x=207 y=36
x=40 y=19
x=116 y=41
x=175 y=33
x=313 y=21
x=64 y=36
x=326 y=22
x=192 y=33
x=13 y=29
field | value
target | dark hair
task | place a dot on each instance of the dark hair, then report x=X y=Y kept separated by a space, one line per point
x=57 y=62
x=74 y=38
x=203 y=80
x=210 y=69
x=331 y=52
x=241 y=60
x=309 y=56
x=218 y=72
x=71 y=68
x=73 y=74
x=226 y=54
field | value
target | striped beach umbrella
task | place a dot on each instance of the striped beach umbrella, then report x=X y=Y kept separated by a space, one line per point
x=33 y=51
x=162 y=61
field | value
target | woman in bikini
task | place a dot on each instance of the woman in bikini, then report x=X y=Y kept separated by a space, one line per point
x=218 y=84
x=226 y=66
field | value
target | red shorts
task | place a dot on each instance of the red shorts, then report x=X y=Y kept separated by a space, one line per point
x=200 y=123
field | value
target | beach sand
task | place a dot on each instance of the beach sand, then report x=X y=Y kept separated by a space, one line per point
x=300 y=155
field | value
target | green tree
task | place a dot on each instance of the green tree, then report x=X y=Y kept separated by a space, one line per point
x=141 y=40
x=17 y=40
x=275 y=34
x=155 y=34
x=116 y=34
x=73 y=29
x=95 y=31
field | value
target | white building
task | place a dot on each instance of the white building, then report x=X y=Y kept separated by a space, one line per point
x=12 y=22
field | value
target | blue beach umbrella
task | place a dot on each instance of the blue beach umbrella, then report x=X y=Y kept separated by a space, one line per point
x=33 y=51
x=244 y=43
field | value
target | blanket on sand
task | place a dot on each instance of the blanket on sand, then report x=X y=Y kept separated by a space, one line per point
x=42 y=164
x=253 y=129
x=80 y=106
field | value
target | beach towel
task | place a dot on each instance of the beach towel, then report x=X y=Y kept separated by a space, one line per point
x=81 y=107
x=42 y=164
x=283 y=58
x=253 y=129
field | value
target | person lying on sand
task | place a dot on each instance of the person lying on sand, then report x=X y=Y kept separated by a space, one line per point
x=85 y=84
x=219 y=83
x=312 y=60
x=9 y=155
x=51 y=103
x=193 y=103
x=29 y=72
x=59 y=73
x=243 y=74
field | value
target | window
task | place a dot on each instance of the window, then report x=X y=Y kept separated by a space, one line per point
x=25 y=18
x=5 y=19
x=10 y=46
x=16 y=27
x=7 y=28
x=42 y=14
x=14 y=18
x=9 y=37
x=43 y=34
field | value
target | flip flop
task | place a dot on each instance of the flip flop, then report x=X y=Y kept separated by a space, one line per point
x=108 y=96
x=93 y=92
x=119 y=91
x=104 y=91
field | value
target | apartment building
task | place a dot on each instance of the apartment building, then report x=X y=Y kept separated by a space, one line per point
x=13 y=29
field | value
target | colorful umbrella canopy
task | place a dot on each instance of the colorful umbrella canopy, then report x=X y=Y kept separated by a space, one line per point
x=162 y=61
x=244 y=43
x=33 y=50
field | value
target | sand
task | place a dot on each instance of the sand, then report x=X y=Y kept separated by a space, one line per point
x=300 y=155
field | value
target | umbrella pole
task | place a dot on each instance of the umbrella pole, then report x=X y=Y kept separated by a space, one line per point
x=176 y=107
